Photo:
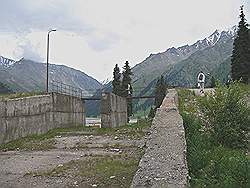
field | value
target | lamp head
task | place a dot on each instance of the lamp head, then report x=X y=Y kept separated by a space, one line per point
x=51 y=30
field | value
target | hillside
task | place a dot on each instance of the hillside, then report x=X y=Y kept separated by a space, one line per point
x=175 y=58
x=27 y=75
x=210 y=55
x=4 y=89
x=222 y=71
x=184 y=73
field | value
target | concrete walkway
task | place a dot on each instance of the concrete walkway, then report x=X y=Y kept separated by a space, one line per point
x=164 y=162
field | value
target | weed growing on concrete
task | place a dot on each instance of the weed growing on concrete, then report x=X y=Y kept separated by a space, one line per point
x=4 y=97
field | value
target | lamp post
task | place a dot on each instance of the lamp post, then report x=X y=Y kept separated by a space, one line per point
x=47 y=80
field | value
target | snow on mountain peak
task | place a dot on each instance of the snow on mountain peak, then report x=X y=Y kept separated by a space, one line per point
x=232 y=31
x=212 y=39
x=5 y=62
x=107 y=80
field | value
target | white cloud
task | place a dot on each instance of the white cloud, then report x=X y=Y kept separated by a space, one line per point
x=94 y=35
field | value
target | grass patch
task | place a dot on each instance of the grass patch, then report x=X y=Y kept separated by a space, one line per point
x=135 y=130
x=35 y=141
x=104 y=171
x=4 y=97
x=210 y=164
x=46 y=141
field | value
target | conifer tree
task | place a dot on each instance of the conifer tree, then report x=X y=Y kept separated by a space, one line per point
x=160 y=91
x=240 y=66
x=126 y=82
x=4 y=89
x=116 y=83
x=213 y=82
x=126 y=78
x=151 y=114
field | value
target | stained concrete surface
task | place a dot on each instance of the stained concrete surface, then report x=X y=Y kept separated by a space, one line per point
x=164 y=162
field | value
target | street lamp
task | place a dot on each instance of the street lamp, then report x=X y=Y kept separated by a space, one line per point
x=47 y=81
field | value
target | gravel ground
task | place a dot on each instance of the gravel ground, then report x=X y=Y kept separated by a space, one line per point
x=17 y=167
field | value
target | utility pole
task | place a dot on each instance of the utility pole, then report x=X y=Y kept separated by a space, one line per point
x=47 y=80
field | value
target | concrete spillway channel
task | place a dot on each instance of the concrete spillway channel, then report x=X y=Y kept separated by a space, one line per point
x=164 y=162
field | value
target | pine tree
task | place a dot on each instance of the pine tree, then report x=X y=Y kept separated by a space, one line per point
x=160 y=91
x=4 y=89
x=213 y=82
x=116 y=83
x=126 y=82
x=126 y=79
x=241 y=52
x=151 y=114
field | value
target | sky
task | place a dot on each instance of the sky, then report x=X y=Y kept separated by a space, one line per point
x=94 y=35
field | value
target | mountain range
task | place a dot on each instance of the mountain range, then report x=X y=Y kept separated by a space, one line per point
x=27 y=75
x=180 y=65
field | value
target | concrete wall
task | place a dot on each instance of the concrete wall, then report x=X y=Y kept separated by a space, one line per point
x=164 y=162
x=113 y=110
x=38 y=114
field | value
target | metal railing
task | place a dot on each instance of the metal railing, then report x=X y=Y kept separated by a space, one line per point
x=66 y=89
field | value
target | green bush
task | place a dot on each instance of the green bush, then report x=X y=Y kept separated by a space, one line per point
x=211 y=165
x=227 y=115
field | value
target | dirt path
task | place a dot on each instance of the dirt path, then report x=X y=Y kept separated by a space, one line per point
x=64 y=165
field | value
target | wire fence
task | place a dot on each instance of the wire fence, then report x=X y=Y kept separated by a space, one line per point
x=66 y=89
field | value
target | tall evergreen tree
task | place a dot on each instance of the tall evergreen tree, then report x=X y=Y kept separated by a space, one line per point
x=160 y=91
x=151 y=114
x=126 y=82
x=116 y=83
x=4 y=89
x=126 y=78
x=213 y=82
x=241 y=52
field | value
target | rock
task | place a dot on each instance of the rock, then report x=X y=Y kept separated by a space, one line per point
x=115 y=149
x=94 y=185
x=111 y=177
